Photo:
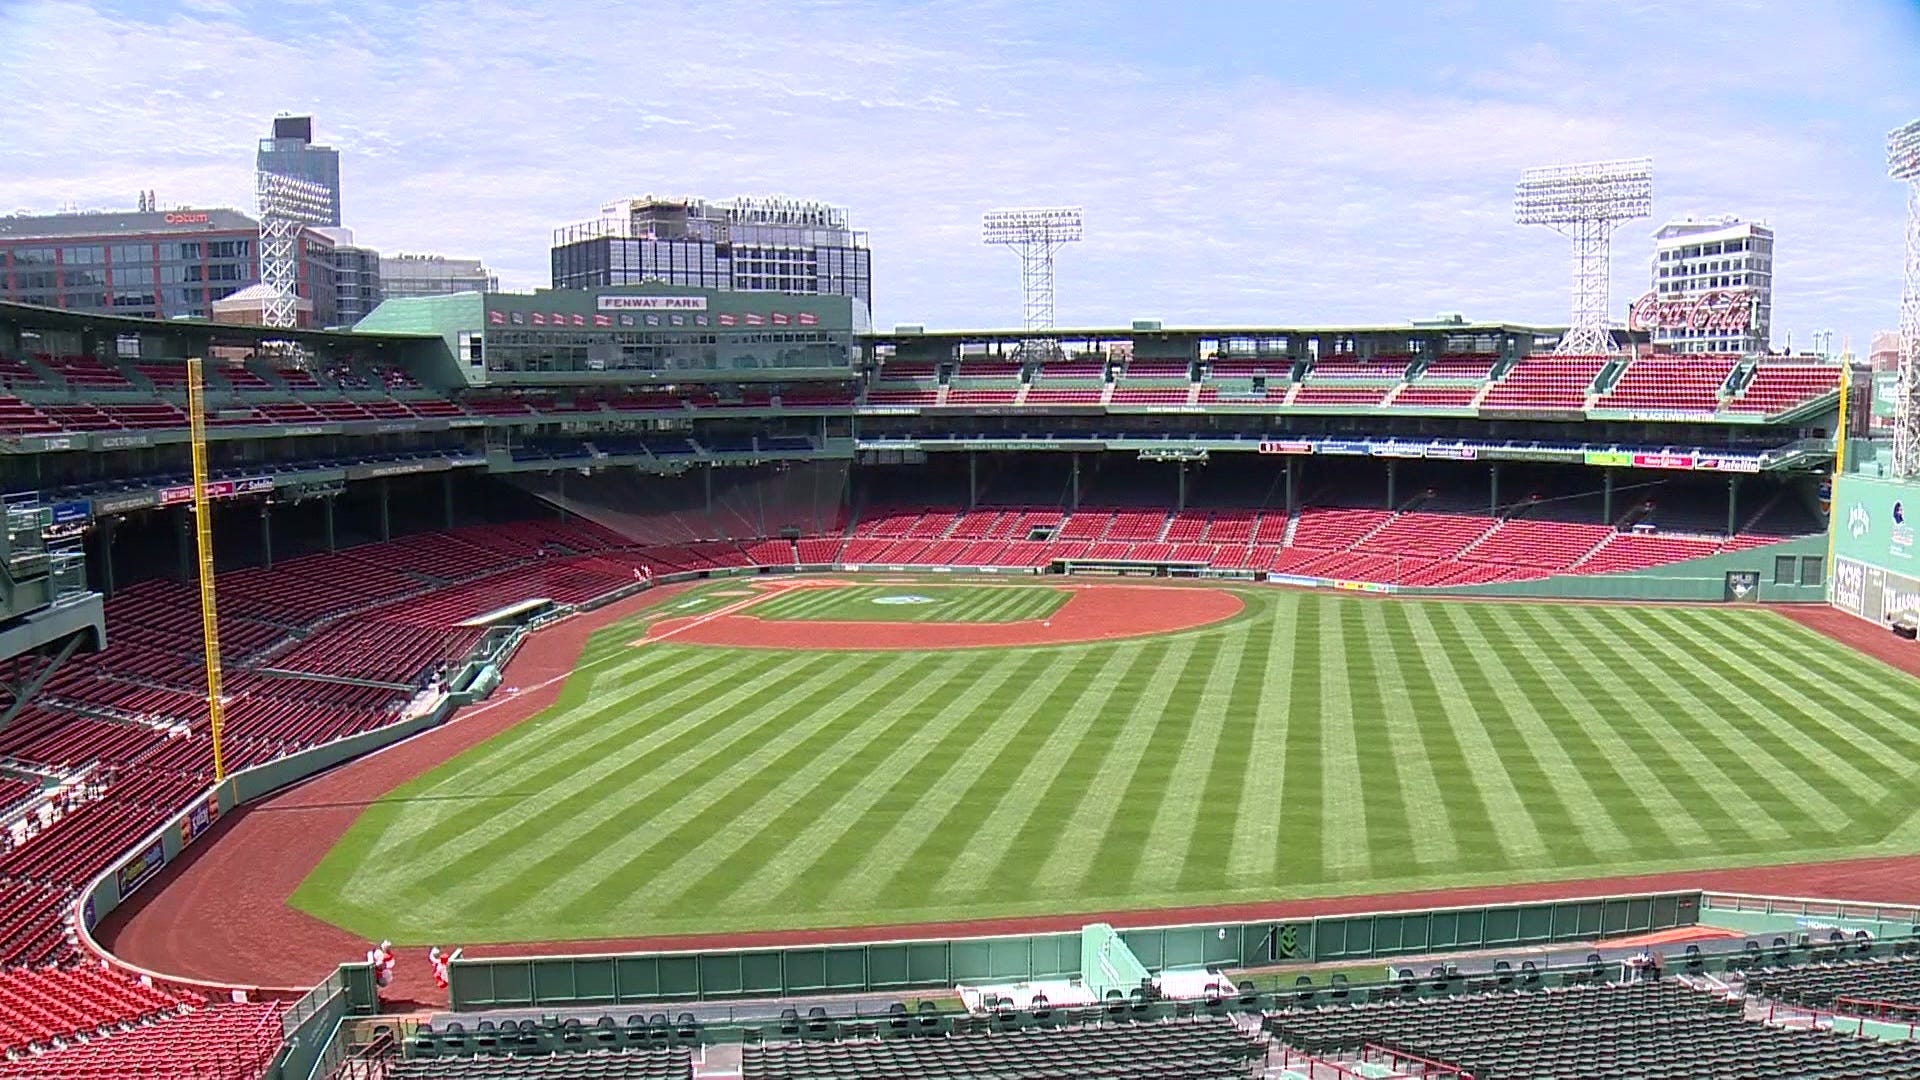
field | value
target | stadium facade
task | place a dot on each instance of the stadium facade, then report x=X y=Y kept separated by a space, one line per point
x=160 y=264
x=739 y=245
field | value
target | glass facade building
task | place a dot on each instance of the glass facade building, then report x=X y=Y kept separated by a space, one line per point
x=1697 y=258
x=290 y=151
x=156 y=264
x=742 y=245
x=433 y=275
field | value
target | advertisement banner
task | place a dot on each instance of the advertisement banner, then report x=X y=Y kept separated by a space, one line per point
x=1609 y=458
x=1713 y=463
x=1663 y=461
x=1452 y=453
x=121 y=504
x=652 y=303
x=1399 y=450
x=1286 y=446
x=140 y=869
x=1351 y=449
x=1742 y=585
x=217 y=489
x=67 y=513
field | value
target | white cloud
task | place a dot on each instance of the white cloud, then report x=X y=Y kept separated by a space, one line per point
x=1363 y=173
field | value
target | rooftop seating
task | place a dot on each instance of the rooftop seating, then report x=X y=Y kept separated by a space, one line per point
x=1669 y=384
x=1777 y=387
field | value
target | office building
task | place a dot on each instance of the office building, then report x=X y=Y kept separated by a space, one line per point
x=1713 y=286
x=1884 y=353
x=154 y=263
x=741 y=245
x=433 y=275
x=291 y=151
x=356 y=277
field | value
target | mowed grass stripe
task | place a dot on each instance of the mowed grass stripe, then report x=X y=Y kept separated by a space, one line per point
x=1562 y=790
x=1790 y=744
x=1388 y=815
x=1618 y=769
x=912 y=832
x=1479 y=845
x=835 y=811
x=1719 y=776
x=624 y=787
x=540 y=758
x=1298 y=853
x=1428 y=822
x=1098 y=798
x=1255 y=823
x=831 y=786
x=1009 y=827
x=1758 y=693
x=1171 y=837
x=1215 y=821
x=1650 y=658
x=1504 y=808
x=1831 y=668
x=1345 y=854
x=1862 y=720
x=692 y=831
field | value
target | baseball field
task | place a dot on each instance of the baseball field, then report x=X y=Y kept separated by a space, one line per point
x=799 y=755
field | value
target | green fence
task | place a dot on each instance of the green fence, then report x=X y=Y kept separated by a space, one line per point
x=1792 y=571
x=899 y=966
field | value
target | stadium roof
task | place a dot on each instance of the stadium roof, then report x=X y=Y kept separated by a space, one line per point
x=1146 y=327
x=36 y=317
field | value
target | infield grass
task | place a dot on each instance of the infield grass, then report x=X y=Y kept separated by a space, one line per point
x=915 y=603
x=1318 y=744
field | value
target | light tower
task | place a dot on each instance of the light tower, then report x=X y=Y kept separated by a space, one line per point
x=1587 y=202
x=1036 y=234
x=287 y=205
x=1903 y=164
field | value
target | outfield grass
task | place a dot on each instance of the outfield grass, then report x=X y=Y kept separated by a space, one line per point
x=915 y=603
x=1320 y=744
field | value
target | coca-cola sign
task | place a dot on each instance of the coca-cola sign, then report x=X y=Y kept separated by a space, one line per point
x=1721 y=309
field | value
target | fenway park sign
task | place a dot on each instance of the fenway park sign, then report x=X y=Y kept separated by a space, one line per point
x=1721 y=309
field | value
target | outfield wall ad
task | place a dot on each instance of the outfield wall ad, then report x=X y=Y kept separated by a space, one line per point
x=1876 y=561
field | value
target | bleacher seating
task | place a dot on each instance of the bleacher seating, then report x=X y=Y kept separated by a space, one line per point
x=1647 y=1029
x=666 y=1063
x=1186 y=1049
x=222 y=1041
x=1776 y=387
x=1669 y=384
x=1546 y=382
x=40 y=1006
x=1891 y=981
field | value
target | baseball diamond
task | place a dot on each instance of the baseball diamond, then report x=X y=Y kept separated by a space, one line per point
x=1318 y=744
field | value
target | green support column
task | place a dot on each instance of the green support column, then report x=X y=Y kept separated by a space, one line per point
x=106 y=557
x=1733 y=500
x=266 y=534
x=386 y=510
x=709 y=481
x=1181 y=502
x=1493 y=490
x=1606 y=496
x=560 y=492
x=326 y=506
x=973 y=480
x=1393 y=474
x=1075 y=504
x=446 y=493
x=1293 y=508
x=186 y=544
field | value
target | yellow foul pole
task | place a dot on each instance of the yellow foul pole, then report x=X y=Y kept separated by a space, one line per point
x=1839 y=459
x=203 y=538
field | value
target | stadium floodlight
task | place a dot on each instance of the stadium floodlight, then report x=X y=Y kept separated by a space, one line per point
x=1036 y=234
x=1903 y=164
x=287 y=205
x=1586 y=202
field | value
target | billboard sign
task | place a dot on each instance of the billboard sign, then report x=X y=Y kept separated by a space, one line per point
x=140 y=869
x=651 y=303
x=68 y=513
x=1286 y=446
x=1721 y=309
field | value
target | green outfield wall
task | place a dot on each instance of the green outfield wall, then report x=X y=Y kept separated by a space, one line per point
x=1792 y=571
x=906 y=966
x=1876 y=560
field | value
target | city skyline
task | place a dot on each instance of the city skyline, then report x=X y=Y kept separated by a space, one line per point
x=1361 y=172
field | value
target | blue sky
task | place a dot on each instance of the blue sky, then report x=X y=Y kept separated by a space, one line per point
x=1264 y=163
